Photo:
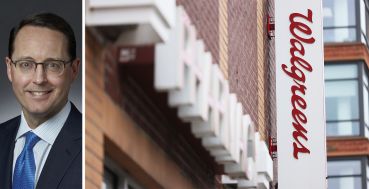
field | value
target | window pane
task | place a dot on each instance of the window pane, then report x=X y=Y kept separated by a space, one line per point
x=339 y=35
x=109 y=180
x=362 y=17
x=339 y=13
x=340 y=71
x=366 y=104
x=341 y=100
x=343 y=128
x=344 y=168
x=365 y=76
x=345 y=183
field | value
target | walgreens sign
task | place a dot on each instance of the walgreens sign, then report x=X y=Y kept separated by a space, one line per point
x=300 y=95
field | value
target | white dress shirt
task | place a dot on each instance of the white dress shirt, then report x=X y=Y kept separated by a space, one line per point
x=47 y=132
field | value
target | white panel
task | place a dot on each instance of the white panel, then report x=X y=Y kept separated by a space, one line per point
x=236 y=133
x=170 y=57
x=232 y=115
x=199 y=110
x=301 y=127
x=227 y=180
x=264 y=163
x=187 y=94
x=247 y=184
x=242 y=169
x=163 y=6
x=151 y=16
x=217 y=99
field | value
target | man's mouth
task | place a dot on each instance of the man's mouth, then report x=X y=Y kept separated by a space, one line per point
x=39 y=93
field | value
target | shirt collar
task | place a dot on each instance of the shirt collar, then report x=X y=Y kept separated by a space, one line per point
x=49 y=130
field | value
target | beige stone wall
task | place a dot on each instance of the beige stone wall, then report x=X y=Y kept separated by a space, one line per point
x=223 y=37
x=260 y=68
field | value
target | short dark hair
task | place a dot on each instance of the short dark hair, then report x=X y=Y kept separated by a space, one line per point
x=47 y=20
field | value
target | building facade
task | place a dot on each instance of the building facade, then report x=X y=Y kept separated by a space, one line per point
x=346 y=25
x=179 y=94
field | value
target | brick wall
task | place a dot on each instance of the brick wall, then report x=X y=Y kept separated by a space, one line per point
x=204 y=15
x=234 y=32
x=223 y=37
x=261 y=44
x=94 y=153
x=242 y=66
x=346 y=52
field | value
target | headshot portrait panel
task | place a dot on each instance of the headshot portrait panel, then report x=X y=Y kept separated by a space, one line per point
x=41 y=90
x=12 y=12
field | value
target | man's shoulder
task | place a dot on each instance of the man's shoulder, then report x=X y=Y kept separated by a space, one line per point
x=14 y=122
x=75 y=113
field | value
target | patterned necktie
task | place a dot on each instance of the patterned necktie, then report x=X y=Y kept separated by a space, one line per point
x=24 y=171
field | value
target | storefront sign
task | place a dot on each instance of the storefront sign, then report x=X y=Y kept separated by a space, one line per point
x=300 y=95
x=197 y=88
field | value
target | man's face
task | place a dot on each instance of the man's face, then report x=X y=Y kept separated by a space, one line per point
x=41 y=94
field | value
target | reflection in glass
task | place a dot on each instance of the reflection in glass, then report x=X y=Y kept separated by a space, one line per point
x=343 y=128
x=344 y=174
x=340 y=71
x=339 y=35
x=342 y=100
x=339 y=13
x=344 y=183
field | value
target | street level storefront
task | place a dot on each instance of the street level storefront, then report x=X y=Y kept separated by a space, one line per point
x=160 y=113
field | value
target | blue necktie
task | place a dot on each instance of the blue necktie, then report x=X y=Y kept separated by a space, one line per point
x=24 y=171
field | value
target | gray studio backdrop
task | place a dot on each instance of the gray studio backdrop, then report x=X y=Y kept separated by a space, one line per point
x=11 y=12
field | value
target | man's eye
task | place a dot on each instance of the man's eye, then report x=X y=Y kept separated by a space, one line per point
x=53 y=65
x=25 y=64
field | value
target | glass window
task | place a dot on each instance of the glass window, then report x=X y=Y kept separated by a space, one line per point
x=362 y=16
x=362 y=21
x=344 y=174
x=339 y=20
x=110 y=180
x=366 y=104
x=342 y=99
x=344 y=167
x=341 y=71
x=343 y=128
x=365 y=76
x=117 y=178
x=340 y=34
x=339 y=13
x=344 y=183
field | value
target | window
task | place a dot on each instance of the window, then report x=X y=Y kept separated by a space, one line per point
x=342 y=99
x=110 y=179
x=365 y=86
x=116 y=178
x=342 y=23
x=339 y=20
x=347 y=99
x=346 y=174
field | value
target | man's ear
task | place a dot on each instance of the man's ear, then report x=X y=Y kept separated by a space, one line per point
x=9 y=68
x=75 y=68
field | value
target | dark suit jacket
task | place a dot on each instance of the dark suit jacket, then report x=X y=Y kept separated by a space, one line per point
x=63 y=166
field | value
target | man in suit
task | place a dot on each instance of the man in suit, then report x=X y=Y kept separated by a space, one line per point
x=42 y=148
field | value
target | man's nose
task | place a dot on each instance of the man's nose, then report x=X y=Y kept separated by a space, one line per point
x=39 y=76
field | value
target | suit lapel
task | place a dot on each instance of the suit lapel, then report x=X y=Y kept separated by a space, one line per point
x=8 y=133
x=66 y=147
